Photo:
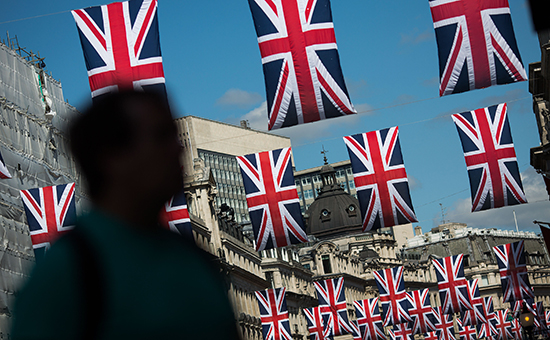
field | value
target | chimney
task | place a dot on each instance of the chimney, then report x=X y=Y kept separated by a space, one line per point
x=244 y=124
x=417 y=230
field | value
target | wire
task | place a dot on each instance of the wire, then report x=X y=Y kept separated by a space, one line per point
x=35 y=17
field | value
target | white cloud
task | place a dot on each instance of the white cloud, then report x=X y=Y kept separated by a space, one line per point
x=414 y=37
x=257 y=118
x=239 y=98
x=503 y=218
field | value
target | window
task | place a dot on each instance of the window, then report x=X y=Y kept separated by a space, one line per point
x=348 y=171
x=300 y=195
x=308 y=194
x=484 y=280
x=340 y=173
x=351 y=184
x=306 y=181
x=297 y=182
x=316 y=179
x=307 y=266
x=326 y=264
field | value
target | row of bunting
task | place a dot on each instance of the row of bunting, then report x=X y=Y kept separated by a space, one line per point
x=304 y=83
x=303 y=77
x=379 y=175
x=380 y=178
x=411 y=313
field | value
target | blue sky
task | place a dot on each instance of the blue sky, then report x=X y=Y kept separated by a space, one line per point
x=389 y=60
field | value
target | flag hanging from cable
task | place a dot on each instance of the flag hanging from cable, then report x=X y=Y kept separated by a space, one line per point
x=453 y=287
x=490 y=157
x=303 y=78
x=315 y=323
x=274 y=314
x=476 y=43
x=513 y=272
x=121 y=46
x=421 y=311
x=332 y=303
x=380 y=178
x=395 y=304
x=369 y=319
x=472 y=317
x=51 y=212
x=272 y=199
x=4 y=172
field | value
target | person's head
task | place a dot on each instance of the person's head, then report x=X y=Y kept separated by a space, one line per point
x=127 y=141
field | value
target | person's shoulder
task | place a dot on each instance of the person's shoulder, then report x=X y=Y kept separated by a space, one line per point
x=48 y=293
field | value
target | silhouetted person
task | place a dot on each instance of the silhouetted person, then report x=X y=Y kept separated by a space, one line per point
x=119 y=275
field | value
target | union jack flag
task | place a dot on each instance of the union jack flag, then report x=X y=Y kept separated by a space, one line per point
x=431 y=336
x=445 y=327
x=490 y=157
x=272 y=199
x=488 y=330
x=401 y=331
x=421 y=311
x=395 y=303
x=51 y=211
x=547 y=318
x=518 y=307
x=121 y=46
x=274 y=314
x=356 y=332
x=477 y=46
x=315 y=323
x=503 y=327
x=472 y=317
x=466 y=332
x=175 y=215
x=303 y=78
x=332 y=303
x=453 y=287
x=517 y=329
x=540 y=316
x=380 y=178
x=513 y=272
x=369 y=319
x=4 y=172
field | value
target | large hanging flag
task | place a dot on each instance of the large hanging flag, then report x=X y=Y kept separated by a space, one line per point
x=513 y=272
x=517 y=329
x=303 y=77
x=395 y=304
x=175 y=215
x=476 y=43
x=121 y=46
x=472 y=317
x=421 y=311
x=332 y=303
x=274 y=314
x=445 y=326
x=51 y=211
x=453 y=287
x=4 y=172
x=380 y=178
x=490 y=157
x=369 y=319
x=272 y=199
x=315 y=323
x=466 y=332
x=503 y=327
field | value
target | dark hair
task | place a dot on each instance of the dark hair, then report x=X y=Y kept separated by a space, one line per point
x=106 y=126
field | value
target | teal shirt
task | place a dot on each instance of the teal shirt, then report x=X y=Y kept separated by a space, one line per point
x=156 y=286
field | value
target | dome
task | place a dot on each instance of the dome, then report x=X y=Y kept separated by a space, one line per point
x=334 y=211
